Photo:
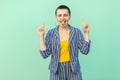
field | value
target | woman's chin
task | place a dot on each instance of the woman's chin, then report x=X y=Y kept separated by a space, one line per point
x=63 y=25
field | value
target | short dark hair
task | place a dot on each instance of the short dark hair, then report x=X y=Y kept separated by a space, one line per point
x=63 y=7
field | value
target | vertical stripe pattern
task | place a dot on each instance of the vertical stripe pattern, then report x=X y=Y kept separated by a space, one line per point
x=76 y=42
x=65 y=73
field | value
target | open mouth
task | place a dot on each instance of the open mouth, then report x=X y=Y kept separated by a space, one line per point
x=63 y=22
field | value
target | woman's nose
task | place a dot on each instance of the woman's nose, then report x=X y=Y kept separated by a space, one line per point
x=62 y=17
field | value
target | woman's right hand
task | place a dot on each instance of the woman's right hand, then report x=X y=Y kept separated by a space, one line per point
x=41 y=30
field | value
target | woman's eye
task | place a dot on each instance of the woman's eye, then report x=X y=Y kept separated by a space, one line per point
x=65 y=15
x=59 y=15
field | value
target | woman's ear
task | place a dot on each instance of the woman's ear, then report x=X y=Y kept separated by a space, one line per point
x=69 y=17
x=56 y=17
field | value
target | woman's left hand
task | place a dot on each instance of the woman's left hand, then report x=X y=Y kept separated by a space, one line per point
x=85 y=27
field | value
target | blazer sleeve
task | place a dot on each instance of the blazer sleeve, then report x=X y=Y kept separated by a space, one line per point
x=83 y=45
x=48 y=50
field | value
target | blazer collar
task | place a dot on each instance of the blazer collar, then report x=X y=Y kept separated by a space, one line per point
x=72 y=32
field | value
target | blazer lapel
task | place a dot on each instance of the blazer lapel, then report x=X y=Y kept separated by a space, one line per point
x=56 y=40
x=72 y=33
x=56 y=33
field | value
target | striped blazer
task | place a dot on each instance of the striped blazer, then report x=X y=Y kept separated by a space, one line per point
x=76 y=42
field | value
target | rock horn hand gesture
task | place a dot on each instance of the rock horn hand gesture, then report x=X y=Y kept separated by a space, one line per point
x=41 y=30
x=85 y=27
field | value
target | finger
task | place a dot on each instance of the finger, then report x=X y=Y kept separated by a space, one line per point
x=83 y=22
x=38 y=28
x=86 y=26
x=43 y=24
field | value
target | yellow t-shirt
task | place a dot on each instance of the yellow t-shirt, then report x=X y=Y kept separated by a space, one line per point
x=64 y=55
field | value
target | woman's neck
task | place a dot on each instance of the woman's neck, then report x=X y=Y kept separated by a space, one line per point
x=63 y=28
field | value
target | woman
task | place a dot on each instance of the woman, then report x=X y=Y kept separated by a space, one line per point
x=63 y=43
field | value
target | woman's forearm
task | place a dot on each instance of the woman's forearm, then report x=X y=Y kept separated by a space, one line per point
x=86 y=37
x=42 y=44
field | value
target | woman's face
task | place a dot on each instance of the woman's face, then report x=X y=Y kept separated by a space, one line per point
x=62 y=17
